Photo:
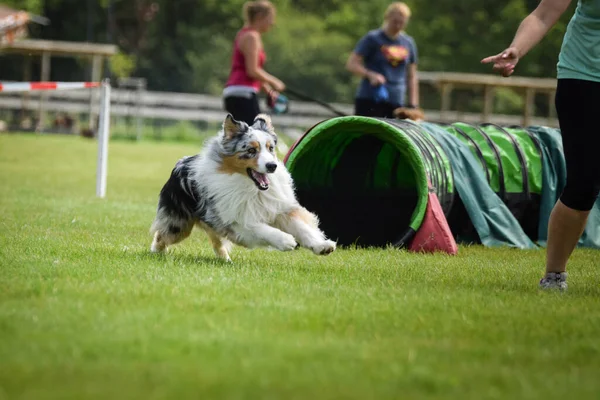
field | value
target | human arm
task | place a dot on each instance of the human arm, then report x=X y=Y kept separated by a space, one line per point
x=413 y=85
x=268 y=89
x=250 y=46
x=530 y=32
x=356 y=62
x=412 y=77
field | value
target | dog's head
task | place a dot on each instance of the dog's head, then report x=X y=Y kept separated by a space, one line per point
x=249 y=150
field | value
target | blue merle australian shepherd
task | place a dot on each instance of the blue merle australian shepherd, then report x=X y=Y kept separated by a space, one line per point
x=237 y=191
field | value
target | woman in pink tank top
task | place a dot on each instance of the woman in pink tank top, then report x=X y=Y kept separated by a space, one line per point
x=247 y=76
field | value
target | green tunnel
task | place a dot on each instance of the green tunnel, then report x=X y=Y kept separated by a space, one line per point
x=353 y=170
x=368 y=179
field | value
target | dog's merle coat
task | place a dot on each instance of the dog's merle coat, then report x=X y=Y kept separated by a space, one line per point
x=180 y=196
x=236 y=190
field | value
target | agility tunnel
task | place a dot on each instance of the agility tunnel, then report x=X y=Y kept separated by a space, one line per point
x=379 y=182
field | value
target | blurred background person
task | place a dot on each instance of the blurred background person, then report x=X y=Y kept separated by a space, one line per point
x=386 y=59
x=247 y=76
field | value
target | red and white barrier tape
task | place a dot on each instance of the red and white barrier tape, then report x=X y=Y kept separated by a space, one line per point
x=35 y=86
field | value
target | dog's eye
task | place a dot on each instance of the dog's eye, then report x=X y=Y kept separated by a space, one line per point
x=271 y=148
x=252 y=150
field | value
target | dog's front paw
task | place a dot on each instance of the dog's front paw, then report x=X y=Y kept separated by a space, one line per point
x=285 y=243
x=324 y=248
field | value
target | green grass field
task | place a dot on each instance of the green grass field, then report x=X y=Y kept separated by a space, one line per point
x=87 y=313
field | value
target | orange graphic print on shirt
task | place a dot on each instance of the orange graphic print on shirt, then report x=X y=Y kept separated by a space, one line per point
x=395 y=54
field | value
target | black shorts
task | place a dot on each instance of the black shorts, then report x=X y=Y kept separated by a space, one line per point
x=371 y=108
x=577 y=102
x=242 y=108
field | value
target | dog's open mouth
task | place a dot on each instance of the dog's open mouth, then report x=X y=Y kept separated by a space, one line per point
x=260 y=180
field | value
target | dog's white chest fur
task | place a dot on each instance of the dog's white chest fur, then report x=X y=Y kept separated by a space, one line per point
x=236 y=199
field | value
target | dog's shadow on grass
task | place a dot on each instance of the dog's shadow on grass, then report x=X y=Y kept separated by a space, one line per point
x=174 y=258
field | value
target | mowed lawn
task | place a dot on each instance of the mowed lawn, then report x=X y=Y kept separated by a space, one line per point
x=87 y=313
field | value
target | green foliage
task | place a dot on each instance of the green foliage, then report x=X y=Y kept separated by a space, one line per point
x=311 y=63
x=180 y=131
x=32 y=6
x=186 y=45
x=122 y=65
x=508 y=101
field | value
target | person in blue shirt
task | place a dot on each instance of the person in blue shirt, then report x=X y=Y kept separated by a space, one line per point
x=386 y=59
x=577 y=102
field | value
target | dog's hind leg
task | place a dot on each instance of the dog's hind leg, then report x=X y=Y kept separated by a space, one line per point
x=158 y=244
x=221 y=246
x=304 y=227
x=168 y=232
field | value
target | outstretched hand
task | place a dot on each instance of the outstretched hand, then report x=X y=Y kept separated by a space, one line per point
x=504 y=62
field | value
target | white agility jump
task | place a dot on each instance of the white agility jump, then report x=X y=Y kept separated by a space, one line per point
x=36 y=86
x=104 y=117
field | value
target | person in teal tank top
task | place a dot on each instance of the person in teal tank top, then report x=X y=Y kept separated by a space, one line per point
x=577 y=104
x=580 y=53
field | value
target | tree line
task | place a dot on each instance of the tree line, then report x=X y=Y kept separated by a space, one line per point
x=185 y=45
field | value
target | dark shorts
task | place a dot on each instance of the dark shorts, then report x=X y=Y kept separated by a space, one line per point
x=242 y=108
x=577 y=102
x=371 y=108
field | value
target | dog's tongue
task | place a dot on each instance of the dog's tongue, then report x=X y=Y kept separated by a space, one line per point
x=261 y=178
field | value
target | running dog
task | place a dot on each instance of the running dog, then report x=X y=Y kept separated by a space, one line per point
x=238 y=192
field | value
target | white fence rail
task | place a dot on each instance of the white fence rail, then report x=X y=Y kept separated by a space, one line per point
x=199 y=107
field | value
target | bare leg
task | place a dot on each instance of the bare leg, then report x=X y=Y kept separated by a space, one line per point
x=565 y=227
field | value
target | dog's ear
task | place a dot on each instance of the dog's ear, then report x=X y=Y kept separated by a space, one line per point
x=233 y=128
x=263 y=122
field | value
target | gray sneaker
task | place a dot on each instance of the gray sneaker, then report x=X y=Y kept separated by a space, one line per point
x=554 y=280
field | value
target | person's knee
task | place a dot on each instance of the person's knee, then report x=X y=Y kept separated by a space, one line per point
x=580 y=195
